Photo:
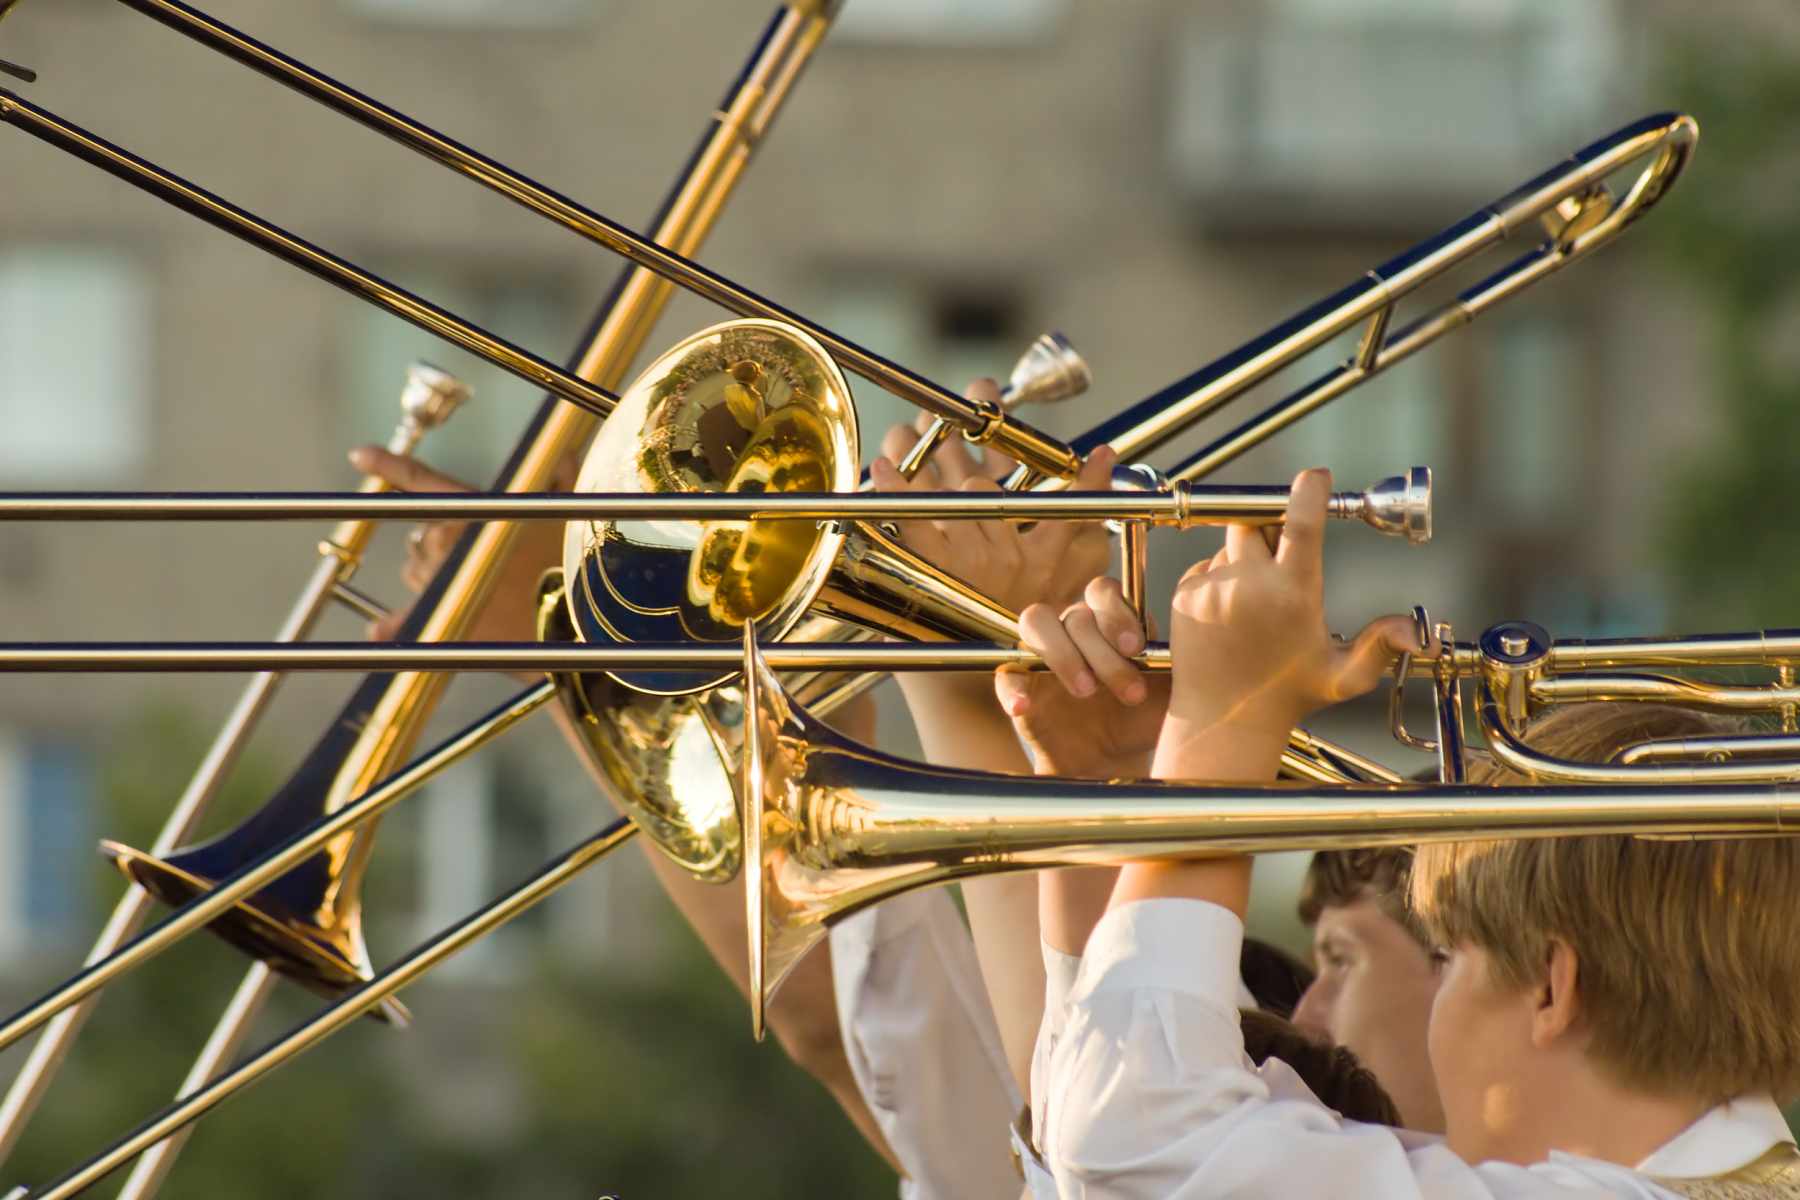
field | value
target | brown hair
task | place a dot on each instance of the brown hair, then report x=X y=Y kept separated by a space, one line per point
x=1687 y=961
x=1332 y=1072
x=1335 y=878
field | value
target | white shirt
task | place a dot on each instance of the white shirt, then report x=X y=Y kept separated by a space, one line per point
x=1060 y=971
x=924 y=1048
x=1150 y=1095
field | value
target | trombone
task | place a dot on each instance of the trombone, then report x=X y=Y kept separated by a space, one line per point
x=833 y=826
x=393 y=711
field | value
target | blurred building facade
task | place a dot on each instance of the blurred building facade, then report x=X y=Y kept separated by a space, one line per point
x=1160 y=180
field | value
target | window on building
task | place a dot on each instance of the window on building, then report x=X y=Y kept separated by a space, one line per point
x=949 y=22
x=1532 y=421
x=1385 y=113
x=76 y=366
x=536 y=312
x=46 y=809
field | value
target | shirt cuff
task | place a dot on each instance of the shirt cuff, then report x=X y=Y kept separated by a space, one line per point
x=1188 y=946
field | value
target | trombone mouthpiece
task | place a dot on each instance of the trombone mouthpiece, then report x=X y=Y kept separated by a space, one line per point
x=1400 y=504
x=430 y=396
x=1048 y=371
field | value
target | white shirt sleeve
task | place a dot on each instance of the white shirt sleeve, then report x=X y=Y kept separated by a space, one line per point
x=924 y=1047
x=1151 y=1095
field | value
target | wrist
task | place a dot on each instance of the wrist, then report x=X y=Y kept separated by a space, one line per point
x=1227 y=750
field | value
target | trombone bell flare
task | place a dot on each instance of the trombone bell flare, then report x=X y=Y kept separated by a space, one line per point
x=831 y=827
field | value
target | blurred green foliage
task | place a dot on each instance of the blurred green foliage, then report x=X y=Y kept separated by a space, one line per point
x=572 y=1079
x=1733 y=229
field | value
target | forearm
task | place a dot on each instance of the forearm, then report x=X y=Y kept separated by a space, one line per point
x=1003 y=921
x=962 y=726
x=1219 y=750
x=1070 y=902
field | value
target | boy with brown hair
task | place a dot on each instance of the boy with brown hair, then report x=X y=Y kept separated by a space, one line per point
x=1613 y=1014
x=1376 y=976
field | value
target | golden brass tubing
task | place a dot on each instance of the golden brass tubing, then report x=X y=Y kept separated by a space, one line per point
x=1512 y=753
x=1183 y=508
x=47 y=1054
x=1347 y=764
x=552 y=876
x=1668 y=689
x=979 y=422
x=1670 y=137
x=221 y=214
x=1761 y=648
x=1757 y=648
x=229 y=891
x=1712 y=749
x=1382 y=350
x=515 y=656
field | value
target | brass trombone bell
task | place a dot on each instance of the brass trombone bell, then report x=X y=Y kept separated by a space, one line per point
x=832 y=826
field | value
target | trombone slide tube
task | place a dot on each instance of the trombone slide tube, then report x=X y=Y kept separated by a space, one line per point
x=1182 y=506
x=190 y=1108
x=221 y=214
x=152 y=657
x=1666 y=138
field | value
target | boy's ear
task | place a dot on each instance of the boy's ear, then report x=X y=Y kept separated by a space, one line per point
x=1557 y=997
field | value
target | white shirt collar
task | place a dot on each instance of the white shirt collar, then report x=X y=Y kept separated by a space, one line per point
x=1724 y=1139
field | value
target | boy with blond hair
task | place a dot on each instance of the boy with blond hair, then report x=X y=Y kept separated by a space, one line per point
x=1613 y=1016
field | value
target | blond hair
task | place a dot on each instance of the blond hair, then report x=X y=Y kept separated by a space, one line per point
x=1688 y=961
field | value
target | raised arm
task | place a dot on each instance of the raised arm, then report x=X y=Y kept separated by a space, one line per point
x=1149 y=1090
x=958 y=720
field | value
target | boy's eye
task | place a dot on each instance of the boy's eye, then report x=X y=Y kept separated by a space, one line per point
x=1438 y=956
